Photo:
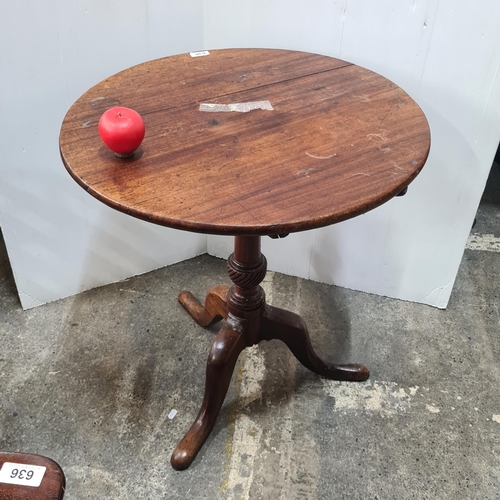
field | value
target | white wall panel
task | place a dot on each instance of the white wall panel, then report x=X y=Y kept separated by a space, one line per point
x=175 y=26
x=314 y=25
x=60 y=240
x=446 y=55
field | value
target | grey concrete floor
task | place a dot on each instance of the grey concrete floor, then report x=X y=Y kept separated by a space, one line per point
x=90 y=381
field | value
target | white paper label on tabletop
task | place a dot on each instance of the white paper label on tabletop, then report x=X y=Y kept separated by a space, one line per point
x=242 y=107
x=200 y=53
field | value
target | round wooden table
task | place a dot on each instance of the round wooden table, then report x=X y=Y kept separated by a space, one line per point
x=339 y=140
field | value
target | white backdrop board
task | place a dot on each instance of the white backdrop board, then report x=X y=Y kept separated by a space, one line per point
x=59 y=239
x=444 y=53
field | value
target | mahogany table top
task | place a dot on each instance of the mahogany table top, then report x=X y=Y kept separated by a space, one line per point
x=340 y=140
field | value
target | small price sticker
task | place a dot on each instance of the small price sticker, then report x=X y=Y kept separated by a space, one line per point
x=200 y=53
x=22 y=474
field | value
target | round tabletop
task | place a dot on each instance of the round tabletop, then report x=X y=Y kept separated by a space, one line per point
x=339 y=140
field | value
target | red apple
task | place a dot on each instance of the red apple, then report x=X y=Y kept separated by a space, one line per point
x=122 y=130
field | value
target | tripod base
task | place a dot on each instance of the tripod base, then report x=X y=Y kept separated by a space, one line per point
x=247 y=320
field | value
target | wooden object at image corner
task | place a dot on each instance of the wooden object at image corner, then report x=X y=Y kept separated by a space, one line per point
x=52 y=486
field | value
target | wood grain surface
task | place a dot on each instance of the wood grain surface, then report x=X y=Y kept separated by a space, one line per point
x=340 y=140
